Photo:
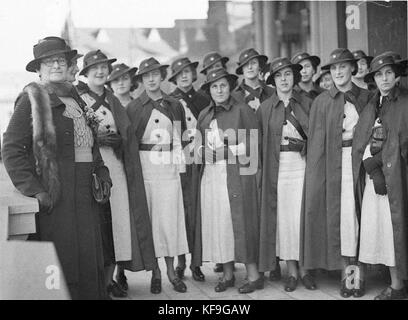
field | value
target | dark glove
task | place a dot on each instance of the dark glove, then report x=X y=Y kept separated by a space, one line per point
x=112 y=140
x=45 y=202
x=299 y=144
x=373 y=166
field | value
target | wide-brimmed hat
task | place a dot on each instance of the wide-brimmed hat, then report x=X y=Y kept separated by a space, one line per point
x=49 y=47
x=210 y=59
x=341 y=55
x=148 y=65
x=281 y=63
x=218 y=74
x=379 y=62
x=247 y=55
x=119 y=70
x=300 y=56
x=321 y=74
x=398 y=59
x=178 y=65
x=94 y=57
x=360 y=54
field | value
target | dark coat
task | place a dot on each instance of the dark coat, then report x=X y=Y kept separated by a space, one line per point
x=242 y=189
x=271 y=115
x=139 y=111
x=143 y=257
x=320 y=233
x=196 y=101
x=395 y=166
x=312 y=94
x=266 y=92
x=60 y=226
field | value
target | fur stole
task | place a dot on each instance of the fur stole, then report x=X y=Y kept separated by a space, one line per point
x=44 y=139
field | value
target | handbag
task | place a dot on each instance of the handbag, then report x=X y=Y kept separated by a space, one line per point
x=100 y=189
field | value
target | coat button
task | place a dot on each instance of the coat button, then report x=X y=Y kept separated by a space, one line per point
x=188 y=118
x=157 y=120
x=67 y=132
x=344 y=116
x=234 y=195
x=388 y=164
x=344 y=130
x=379 y=121
x=285 y=123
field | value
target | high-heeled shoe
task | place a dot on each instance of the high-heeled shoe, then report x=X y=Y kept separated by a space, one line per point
x=197 y=274
x=224 y=284
x=251 y=286
x=178 y=285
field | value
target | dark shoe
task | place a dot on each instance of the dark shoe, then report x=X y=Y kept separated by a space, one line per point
x=155 y=286
x=290 y=284
x=179 y=285
x=122 y=281
x=180 y=271
x=344 y=291
x=197 y=274
x=392 y=294
x=116 y=291
x=358 y=293
x=308 y=282
x=224 y=284
x=251 y=286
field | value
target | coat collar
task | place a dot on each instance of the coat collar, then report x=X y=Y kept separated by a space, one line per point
x=227 y=106
x=144 y=98
x=315 y=88
x=355 y=90
x=295 y=96
x=190 y=93
x=262 y=85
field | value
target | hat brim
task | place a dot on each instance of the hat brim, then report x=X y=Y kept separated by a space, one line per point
x=172 y=78
x=294 y=66
x=369 y=77
x=262 y=62
x=131 y=71
x=84 y=70
x=223 y=60
x=138 y=77
x=33 y=65
x=232 y=79
x=314 y=59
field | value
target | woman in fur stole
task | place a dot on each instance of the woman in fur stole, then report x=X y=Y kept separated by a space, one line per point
x=50 y=153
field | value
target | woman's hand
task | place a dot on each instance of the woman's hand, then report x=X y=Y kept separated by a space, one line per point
x=112 y=140
x=45 y=202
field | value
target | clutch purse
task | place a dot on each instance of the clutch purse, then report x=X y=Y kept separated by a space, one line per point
x=100 y=190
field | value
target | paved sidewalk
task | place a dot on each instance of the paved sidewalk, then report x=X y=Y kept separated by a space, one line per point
x=328 y=287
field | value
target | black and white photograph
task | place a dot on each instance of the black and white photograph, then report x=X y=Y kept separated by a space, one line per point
x=195 y=150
